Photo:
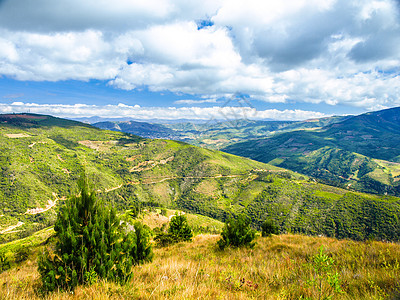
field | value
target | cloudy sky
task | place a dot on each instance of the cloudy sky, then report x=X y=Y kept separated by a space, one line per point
x=172 y=59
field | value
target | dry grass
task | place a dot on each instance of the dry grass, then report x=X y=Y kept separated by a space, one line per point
x=279 y=267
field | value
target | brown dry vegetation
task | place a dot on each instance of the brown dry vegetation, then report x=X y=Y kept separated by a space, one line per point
x=279 y=267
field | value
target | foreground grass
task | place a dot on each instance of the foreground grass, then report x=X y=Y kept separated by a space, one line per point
x=279 y=267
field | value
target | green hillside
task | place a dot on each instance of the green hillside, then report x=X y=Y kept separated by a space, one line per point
x=43 y=156
x=360 y=153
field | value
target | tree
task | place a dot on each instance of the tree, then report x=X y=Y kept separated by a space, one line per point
x=91 y=243
x=180 y=228
x=142 y=252
x=178 y=231
x=269 y=228
x=237 y=232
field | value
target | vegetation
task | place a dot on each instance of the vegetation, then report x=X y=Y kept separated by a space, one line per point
x=237 y=233
x=214 y=135
x=268 y=228
x=280 y=267
x=90 y=245
x=179 y=227
x=360 y=153
x=325 y=280
x=178 y=231
x=43 y=157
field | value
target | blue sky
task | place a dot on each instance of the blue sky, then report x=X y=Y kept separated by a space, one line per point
x=164 y=59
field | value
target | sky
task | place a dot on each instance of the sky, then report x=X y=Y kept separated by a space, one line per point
x=184 y=59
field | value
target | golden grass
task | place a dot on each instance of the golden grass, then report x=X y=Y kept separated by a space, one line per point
x=279 y=267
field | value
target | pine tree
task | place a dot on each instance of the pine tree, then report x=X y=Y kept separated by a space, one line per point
x=142 y=252
x=180 y=228
x=237 y=232
x=90 y=244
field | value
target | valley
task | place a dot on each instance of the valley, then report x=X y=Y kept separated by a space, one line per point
x=42 y=158
x=359 y=153
x=131 y=171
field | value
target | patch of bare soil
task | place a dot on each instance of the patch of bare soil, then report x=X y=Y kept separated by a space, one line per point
x=17 y=135
x=149 y=164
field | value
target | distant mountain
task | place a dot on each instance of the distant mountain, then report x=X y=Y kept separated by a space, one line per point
x=142 y=129
x=214 y=134
x=41 y=158
x=361 y=152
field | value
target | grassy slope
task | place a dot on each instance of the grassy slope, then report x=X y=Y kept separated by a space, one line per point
x=355 y=152
x=279 y=267
x=127 y=170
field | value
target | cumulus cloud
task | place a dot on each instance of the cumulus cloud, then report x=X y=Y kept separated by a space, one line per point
x=331 y=51
x=137 y=112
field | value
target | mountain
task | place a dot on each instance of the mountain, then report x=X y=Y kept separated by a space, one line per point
x=42 y=157
x=142 y=129
x=361 y=152
x=214 y=134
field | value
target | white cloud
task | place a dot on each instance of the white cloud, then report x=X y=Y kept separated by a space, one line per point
x=332 y=51
x=163 y=113
x=190 y=101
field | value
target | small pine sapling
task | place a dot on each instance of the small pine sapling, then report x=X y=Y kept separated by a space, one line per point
x=237 y=233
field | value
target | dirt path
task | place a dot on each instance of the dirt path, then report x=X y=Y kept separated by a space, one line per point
x=9 y=228
x=114 y=188
x=155 y=180
x=50 y=205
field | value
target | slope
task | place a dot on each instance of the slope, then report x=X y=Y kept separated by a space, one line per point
x=41 y=161
x=361 y=152
x=215 y=134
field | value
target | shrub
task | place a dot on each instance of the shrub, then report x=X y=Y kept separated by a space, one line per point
x=237 y=233
x=91 y=244
x=163 y=239
x=325 y=280
x=178 y=231
x=142 y=252
x=22 y=254
x=180 y=228
x=4 y=262
x=269 y=228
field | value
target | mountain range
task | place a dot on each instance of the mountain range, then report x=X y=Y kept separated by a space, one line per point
x=361 y=152
x=42 y=157
x=214 y=134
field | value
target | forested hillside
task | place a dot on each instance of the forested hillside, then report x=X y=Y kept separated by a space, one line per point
x=360 y=153
x=42 y=157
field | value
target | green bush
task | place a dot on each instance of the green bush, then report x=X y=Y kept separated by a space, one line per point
x=269 y=228
x=178 y=231
x=22 y=254
x=237 y=233
x=91 y=244
x=325 y=279
x=164 y=239
x=180 y=228
x=142 y=251
x=4 y=262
